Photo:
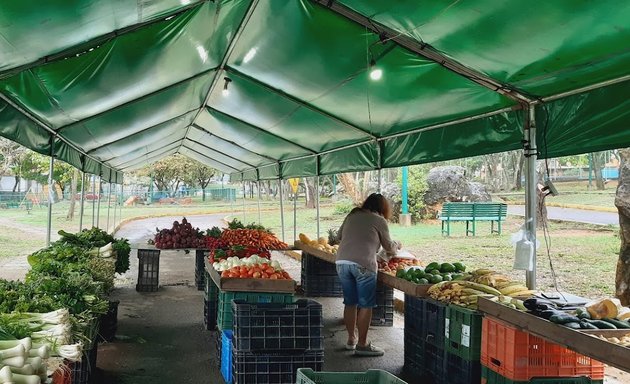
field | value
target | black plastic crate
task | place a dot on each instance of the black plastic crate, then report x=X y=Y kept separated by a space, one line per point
x=200 y=268
x=414 y=314
x=414 y=353
x=210 y=312
x=315 y=266
x=321 y=286
x=433 y=320
x=148 y=270
x=461 y=371
x=434 y=364
x=82 y=372
x=211 y=291
x=383 y=314
x=217 y=340
x=276 y=368
x=108 y=323
x=284 y=327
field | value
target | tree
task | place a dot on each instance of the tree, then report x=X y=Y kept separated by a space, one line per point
x=622 y=202
x=599 y=161
x=168 y=173
x=11 y=156
x=201 y=174
x=73 y=194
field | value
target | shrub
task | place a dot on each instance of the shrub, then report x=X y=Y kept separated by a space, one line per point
x=343 y=207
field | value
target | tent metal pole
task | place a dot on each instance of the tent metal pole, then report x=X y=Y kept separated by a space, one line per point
x=380 y=184
x=530 y=189
x=243 y=202
x=93 y=200
x=281 y=208
x=51 y=195
x=115 y=206
x=98 y=208
x=295 y=216
x=259 y=220
x=317 y=203
x=122 y=198
x=109 y=205
x=81 y=210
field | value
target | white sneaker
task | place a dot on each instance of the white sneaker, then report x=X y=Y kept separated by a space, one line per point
x=369 y=350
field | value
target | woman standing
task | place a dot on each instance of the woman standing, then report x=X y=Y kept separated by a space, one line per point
x=363 y=231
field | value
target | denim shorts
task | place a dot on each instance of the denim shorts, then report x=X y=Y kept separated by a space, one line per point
x=359 y=285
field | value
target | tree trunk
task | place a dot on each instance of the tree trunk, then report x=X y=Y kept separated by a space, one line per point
x=17 y=183
x=350 y=187
x=541 y=209
x=597 y=169
x=622 y=202
x=73 y=194
x=310 y=193
x=203 y=194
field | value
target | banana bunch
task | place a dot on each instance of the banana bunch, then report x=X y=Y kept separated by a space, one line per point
x=461 y=292
x=501 y=282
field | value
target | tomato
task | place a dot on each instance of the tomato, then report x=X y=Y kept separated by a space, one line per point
x=286 y=275
x=273 y=276
x=250 y=273
x=243 y=275
x=225 y=274
x=243 y=269
x=256 y=275
x=265 y=275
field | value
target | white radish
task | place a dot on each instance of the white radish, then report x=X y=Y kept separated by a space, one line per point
x=17 y=361
x=6 y=344
x=5 y=375
x=27 y=369
x=43 y=352
x=18 y=350
x=35 y=362
x=26 y=379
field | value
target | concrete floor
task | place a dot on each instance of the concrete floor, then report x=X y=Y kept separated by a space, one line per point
x=161 y=338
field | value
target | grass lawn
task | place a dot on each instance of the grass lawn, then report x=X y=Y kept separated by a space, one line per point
x=584 y=256
x=576 y=193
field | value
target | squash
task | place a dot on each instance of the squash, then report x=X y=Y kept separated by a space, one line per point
x=304 y=239
x=604 y=308
x=322 y=241
x=623 y=314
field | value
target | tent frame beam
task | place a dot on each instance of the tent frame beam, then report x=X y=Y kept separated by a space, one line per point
x=234 y=144
x=299 y=102
x=582 y=90
x=219 y=152
x=201 y=154
x=426 y=51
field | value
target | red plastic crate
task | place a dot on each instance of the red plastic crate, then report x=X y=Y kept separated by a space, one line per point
x=520 y=356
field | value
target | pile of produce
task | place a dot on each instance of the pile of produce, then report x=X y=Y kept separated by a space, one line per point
x=180 y=235
x=52 y=315
x=253 y=267
x=237 y=251
x=600 y=314
x=321 y=243
x=395 y=264
x=623 y=341
x=434 y=273
x=257 y=238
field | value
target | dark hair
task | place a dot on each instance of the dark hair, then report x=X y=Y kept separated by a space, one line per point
x=378 y=204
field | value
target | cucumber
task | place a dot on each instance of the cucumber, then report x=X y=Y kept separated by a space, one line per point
x=572 y=325
x=618 y=323
x=582 y=313
x=600 y=324
x=563 y=318
x=584 y=324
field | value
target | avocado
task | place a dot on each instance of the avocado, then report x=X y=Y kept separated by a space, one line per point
x=423 y=281
x=431 y=266
x=447 y=267
x=401 y=273
x=419 y=273
x=435 y=279
x=446 y=277
x=457 y=276
x=459 y=267
x=434 y=272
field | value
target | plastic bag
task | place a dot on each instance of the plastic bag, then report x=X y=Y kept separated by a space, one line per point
x=524 y=249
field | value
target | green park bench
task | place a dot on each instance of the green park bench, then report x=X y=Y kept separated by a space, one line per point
x=473 y=212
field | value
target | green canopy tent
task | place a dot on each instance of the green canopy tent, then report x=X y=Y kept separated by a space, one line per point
x=266 y=89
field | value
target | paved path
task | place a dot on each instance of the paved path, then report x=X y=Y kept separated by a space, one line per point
x=570 y=214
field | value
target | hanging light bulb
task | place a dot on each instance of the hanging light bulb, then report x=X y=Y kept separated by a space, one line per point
x=226 y=92
x=375 y=72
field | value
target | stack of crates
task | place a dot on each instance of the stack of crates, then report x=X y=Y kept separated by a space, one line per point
x=200 y=268
x=425 y=354
x=210 y=303
x=383 y=314
x=510 y=356
x=371 y=376
x=271 y=341
x=148 y=270
x=462 y=344
x=319 y=277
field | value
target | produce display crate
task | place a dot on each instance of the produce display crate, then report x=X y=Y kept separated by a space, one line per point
x=433 y=319
x=108 y=323
x=462 y=331
x=211 y=291
x=297 y=326
x=371 y=376
x=316 y=266
x=461 y=371
x=520 y=356
x=200 y=257
x=225 y=314
x=226 y=356
x=489 y=376
x=210 y=312
x=383 y=314
x=250 y=285
x=434 y=364
x=82 y=372
x=409 y=288
x=321 y=286
x=277 y=368
x=414 y=353
x=148 y=270
x=217 y=340
x=414 y=314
